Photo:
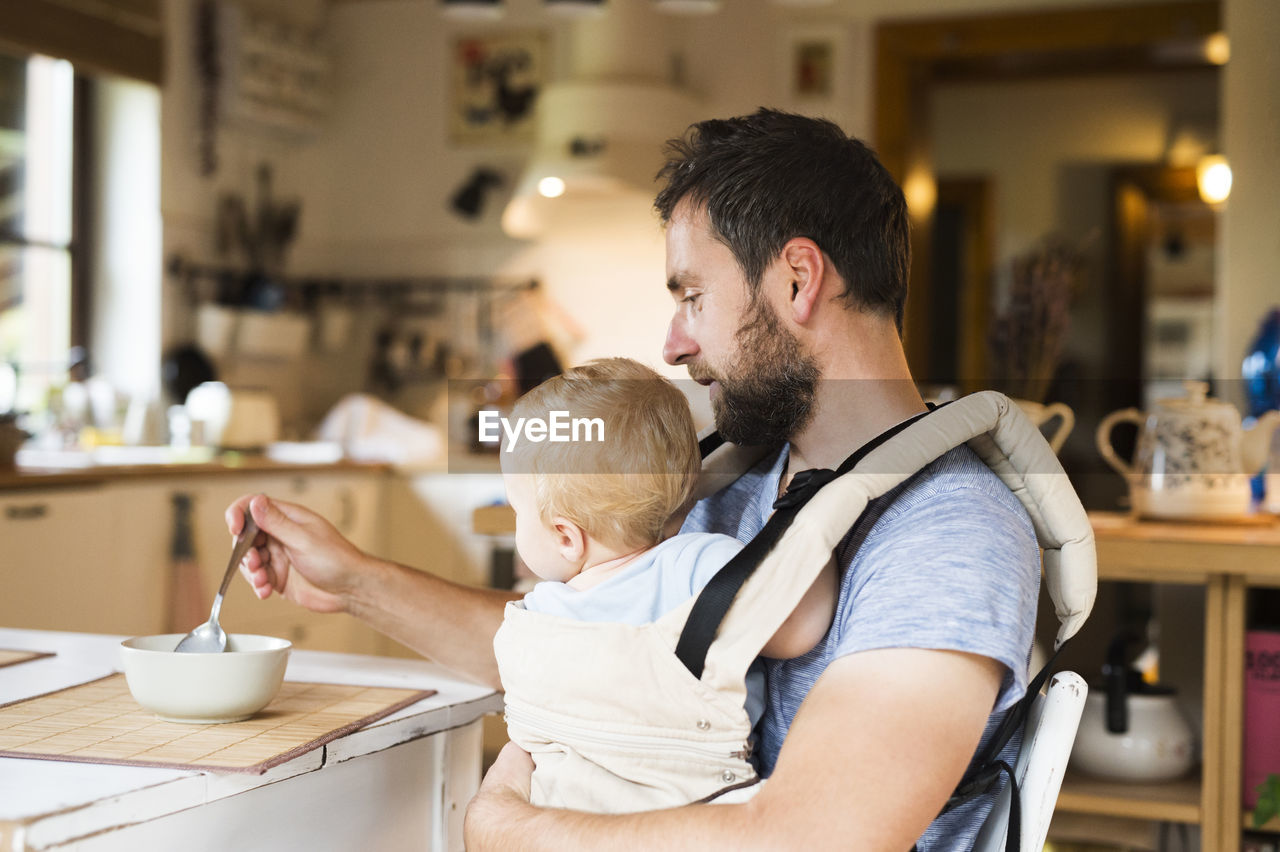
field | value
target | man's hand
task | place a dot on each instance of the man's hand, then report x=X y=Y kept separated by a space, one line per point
x=298 y=554
x=503 y=796
x=510 y=774
x=301 y=556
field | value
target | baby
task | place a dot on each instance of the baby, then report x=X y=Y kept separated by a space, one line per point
x=587 y=652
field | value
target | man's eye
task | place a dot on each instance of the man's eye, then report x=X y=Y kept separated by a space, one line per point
x=691 y=298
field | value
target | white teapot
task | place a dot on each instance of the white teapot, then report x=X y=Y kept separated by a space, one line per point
x=1193 y=460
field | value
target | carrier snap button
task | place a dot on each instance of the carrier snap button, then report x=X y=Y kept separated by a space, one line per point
x=704 y=725
x=728 y=777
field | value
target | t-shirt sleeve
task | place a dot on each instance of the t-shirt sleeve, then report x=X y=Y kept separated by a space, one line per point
x=959 y=570
x=706 y=554
x=544 y=596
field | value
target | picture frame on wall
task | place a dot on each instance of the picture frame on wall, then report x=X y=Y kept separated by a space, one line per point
x=812 y=68
x=815 y=72
x=496 y=81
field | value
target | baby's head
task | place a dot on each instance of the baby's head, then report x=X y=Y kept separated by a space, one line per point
x=630 y=465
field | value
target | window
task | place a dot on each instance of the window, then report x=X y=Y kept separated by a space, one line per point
x=36 y=245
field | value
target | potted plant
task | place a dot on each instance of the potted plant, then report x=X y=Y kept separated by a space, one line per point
x=1028 y=336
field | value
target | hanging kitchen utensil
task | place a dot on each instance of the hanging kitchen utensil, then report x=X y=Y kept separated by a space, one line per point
x=185 y=603
x=183 y=368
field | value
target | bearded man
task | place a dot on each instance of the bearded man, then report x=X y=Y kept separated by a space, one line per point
x=787 y=259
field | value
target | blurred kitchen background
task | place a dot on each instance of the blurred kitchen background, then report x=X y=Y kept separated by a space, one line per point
x=292 y=246
x=307 y=199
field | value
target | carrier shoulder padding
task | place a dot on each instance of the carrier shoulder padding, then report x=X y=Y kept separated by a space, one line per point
x=1010 y=445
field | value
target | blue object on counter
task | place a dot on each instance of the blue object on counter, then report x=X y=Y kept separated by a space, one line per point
x=1261 y=372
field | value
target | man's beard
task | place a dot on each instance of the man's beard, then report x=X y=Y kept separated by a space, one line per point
x=767 y=394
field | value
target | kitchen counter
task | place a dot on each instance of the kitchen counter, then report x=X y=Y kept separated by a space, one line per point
x=78 y=469
x=228 y=463
x=401 y=783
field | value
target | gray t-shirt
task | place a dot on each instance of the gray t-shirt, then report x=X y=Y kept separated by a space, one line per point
x=948 y=560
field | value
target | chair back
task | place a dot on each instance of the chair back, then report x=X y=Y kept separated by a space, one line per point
x=1042 y=762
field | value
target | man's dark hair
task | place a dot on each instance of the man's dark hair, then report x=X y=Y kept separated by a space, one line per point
x=771 y=176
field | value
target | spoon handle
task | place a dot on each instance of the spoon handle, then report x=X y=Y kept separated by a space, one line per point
x=244 y=541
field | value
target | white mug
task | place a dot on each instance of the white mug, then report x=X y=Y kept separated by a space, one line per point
x=1039 y=414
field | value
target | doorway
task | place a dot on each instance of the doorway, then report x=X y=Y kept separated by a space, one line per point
x=1163 y=46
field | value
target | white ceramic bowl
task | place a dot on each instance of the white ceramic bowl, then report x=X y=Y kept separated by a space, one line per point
x=204 y=688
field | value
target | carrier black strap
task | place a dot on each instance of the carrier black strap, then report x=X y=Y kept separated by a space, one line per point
x=713 y=604
x=709 y=443
x=717 y=596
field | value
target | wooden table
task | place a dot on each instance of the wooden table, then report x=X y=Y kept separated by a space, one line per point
x=1226 y=559
x=402 y=783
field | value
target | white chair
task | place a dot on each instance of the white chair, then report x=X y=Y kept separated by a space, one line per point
x=1042 y=761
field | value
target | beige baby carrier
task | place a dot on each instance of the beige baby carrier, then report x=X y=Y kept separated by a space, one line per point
x=622 y=718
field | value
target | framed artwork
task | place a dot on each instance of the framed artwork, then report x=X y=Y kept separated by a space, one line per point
x=812 y=68
x=496 y=82
x=815 y=66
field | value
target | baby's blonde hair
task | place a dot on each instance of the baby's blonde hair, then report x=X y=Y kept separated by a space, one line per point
x=623 y=489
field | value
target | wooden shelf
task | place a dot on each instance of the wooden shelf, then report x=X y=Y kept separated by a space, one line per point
x=1177 y=552
x=1172 y=801
x=1271 y=826
x=1227 y=559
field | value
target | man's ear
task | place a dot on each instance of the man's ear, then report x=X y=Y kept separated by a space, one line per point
x=570 y=539
x=807 y=267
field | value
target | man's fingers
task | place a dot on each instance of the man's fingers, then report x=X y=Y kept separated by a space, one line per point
x=277 y=565
x=276 y=517
x=256 y=570
x=512 y=771
x=235 y=514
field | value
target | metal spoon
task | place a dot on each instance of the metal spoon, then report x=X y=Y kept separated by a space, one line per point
x=209 y=637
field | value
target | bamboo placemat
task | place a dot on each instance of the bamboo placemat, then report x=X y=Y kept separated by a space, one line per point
x=9 y=657
x=99 y=722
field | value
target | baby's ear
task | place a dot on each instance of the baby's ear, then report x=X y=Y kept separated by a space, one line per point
x=571 y=539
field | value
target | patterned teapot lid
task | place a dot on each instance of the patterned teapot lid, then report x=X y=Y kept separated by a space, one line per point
x=1197 y=400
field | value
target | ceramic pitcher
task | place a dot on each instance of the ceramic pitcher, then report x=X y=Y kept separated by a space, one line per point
x=1193 y=459
x=1041 y=413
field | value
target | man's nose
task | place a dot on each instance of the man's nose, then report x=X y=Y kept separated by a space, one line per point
x=679 y=346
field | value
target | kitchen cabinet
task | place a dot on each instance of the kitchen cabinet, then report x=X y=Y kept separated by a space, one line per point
x=430 y=523
x=1224 y=560
x=96 y=555
x=349 y=500
x=140 y=555
x=58 y=565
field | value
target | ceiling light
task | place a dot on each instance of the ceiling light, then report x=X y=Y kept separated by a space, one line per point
x=599 y=145
x=1217 y=48
x=687 y=7
x=471 y=9
x=575 y=7
x=921 y=192
x=551 y=187
x=1213 y=178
